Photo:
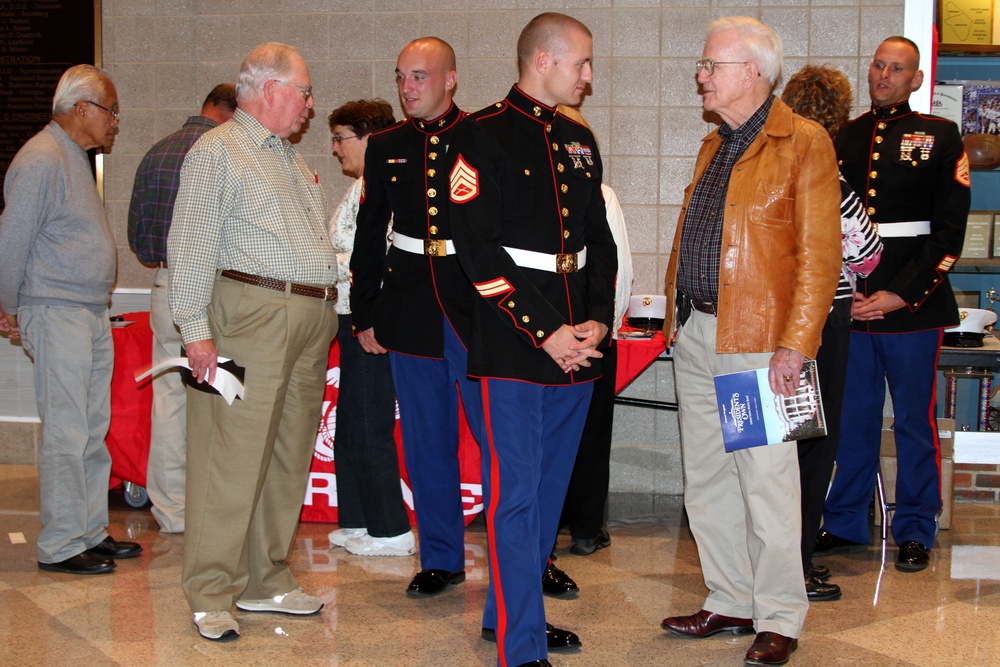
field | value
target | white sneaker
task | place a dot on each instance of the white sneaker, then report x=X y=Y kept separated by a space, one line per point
x=399 y=545
x=294 y=602
x=219 y=626
x=339 y=537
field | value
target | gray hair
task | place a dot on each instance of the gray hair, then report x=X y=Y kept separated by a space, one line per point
x=80 y=82
x=268 y=61
x=762 y=43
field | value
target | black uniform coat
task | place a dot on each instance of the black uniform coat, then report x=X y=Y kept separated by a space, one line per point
x=403 y=294
x=907 y=167
x=527 y=177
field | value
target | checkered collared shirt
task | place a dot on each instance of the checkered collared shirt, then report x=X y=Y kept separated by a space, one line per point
x=701 y=239
x=246 y=202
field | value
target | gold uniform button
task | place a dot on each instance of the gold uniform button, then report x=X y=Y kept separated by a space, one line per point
x=431 y=172
x=433 y=210
x=565 y=212
x=914 y=163
x=926 y=292
x=560 y=168
x=432 y=156
x=871 y=210
x=548 y=127
x=389 y=269
x=565 y=233
x=564 y=188
x=840 y=162
x=527 y=172
x=875 y=156
x=588 y=174
x=873 y=174
x=540 y=333
x=432 y=193
x=537 y=111
x=871 y=193
x=435 y=140
x=881 y=126
x=434 y=229
x=393 y=179
x=879 y=140
x=510 y=304
x=555 y=146
x=525 y=319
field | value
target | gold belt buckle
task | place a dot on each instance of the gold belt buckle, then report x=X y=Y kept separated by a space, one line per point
x=435 y=247
x=566 y=263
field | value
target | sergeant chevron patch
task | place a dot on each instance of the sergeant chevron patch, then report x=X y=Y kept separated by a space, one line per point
x=464 y=182
x=946 y=263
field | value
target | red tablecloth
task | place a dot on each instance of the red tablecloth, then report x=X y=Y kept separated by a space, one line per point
x=128 y=439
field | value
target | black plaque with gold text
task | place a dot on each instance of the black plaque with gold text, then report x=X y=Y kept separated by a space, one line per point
x=39 y=40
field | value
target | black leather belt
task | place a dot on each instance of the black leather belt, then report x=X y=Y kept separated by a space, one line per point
x=326 y=293
x=706 y=307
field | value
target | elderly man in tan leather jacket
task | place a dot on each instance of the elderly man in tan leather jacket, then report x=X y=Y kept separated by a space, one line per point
x=754 y=265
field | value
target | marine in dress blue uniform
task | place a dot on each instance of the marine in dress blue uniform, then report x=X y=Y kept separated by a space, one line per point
x=531 y=232
x=911 y=171
x=416 y=300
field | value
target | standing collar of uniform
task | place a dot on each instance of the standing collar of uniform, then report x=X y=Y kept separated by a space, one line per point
x=891 y=112
x=439 y=124
x=260 y=135
x=529 y=106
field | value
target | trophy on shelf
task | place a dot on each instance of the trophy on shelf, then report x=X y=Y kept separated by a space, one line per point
x=993 y=297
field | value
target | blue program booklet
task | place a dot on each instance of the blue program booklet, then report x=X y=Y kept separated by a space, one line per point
x=752 y=415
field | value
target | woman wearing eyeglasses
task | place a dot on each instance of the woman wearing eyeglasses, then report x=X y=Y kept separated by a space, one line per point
x=372 y=517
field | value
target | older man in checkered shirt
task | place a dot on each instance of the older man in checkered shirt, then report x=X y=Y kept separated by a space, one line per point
x=252 y=279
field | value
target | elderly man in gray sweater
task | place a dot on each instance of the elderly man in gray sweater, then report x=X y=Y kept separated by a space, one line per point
x=57 y=267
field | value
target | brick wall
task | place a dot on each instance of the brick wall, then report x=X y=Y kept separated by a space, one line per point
x=976 y=483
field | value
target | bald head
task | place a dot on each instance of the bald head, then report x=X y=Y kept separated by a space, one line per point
x=426 y=77
x=549 y=32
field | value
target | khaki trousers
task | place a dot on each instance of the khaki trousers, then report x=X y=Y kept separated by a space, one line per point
x=743 y=507
x=165 y=470
x=248 y=463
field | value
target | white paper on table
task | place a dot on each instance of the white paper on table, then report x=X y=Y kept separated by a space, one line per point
x=227 y=384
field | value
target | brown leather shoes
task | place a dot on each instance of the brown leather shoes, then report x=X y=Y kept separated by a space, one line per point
x=706 y=624
x=770 y=648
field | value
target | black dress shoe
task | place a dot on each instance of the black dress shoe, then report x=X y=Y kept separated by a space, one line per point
x=913 y=557
x=82 y=563
x=827 y=543
x=557 y=583
x=110 y=548
x=556 y=639
x=536 y=663
x=821 y=591
x=821 y=572
x=433 y=582
x=585 y=547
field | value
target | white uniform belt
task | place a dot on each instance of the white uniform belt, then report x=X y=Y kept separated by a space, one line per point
x=433 y=247
x=898 y=229
x=558 y=263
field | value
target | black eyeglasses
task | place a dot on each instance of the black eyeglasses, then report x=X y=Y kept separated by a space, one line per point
x=709 y=65
x=337 y=139
x=111 y=112
x=306 y=91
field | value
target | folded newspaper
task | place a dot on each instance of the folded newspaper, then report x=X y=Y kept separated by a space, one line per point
x=752 y=415
x=228 y=383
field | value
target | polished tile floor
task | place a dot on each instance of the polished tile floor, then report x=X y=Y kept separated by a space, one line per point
x=946 y=616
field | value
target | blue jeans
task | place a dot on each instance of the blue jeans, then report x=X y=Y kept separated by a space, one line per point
x=368 y=487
